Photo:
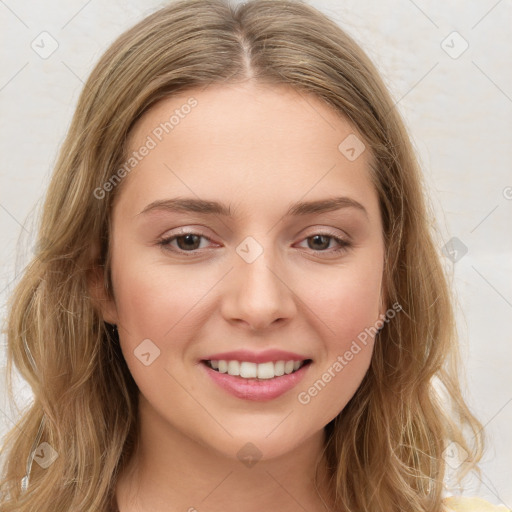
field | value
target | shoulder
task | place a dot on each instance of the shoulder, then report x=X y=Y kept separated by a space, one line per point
x=473 y=504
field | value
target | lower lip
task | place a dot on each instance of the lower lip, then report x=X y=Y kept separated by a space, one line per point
x=254 y=389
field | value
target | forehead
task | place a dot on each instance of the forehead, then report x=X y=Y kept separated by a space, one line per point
x=275 y=115
x=246 y=139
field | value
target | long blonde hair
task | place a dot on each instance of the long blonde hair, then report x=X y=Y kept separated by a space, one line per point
x=385 y=451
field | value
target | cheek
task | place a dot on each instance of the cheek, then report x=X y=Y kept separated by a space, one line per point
x=348 y=302
x=349 y=309
x=151 y=296
x=163 y=304
x=155 y=310
x=351 y=320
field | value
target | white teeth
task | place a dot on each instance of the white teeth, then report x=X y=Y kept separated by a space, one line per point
x=279 y=368
x=249 y=370
x=233 y=368
x=266 y=370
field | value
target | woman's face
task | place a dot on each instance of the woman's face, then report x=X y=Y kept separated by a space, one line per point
x=246 y=268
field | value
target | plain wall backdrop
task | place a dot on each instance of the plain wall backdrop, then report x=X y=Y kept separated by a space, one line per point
x=448 y=67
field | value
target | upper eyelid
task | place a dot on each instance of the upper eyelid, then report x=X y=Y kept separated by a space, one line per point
x=326 y=231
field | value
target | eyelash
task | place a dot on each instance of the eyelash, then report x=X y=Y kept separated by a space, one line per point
x=344 y=245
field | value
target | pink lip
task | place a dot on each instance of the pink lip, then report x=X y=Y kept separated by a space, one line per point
x=255 y=389
x=256 y=357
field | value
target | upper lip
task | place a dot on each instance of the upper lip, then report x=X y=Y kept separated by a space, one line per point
x=256 y=357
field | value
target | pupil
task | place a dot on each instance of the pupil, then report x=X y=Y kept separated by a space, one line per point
x=316 y=237
x=189 y=239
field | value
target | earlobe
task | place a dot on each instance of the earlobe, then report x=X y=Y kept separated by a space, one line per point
x=382 y=307
x=102 y=302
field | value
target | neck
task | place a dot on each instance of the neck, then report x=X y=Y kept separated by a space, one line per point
x=172 y=472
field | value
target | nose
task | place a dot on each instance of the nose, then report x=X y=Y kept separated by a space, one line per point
x=258 y=295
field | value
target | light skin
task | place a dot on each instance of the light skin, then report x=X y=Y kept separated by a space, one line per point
x=258 y=149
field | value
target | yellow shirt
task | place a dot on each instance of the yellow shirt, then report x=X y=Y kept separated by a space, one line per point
x=464 y=504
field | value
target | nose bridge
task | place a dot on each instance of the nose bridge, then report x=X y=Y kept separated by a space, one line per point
x=259 y=293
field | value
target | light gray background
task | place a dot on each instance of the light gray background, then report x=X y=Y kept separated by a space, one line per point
x=458 y=110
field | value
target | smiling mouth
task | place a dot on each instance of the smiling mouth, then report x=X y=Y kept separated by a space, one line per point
x=260 y=371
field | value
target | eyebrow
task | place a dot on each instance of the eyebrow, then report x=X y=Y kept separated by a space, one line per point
x=215 y=208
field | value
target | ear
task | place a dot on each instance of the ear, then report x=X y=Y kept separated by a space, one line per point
x=102 y=302
x=383 y=306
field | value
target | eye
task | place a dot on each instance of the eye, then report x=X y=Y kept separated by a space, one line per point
x=190 y=242
x=320 y=242
x=186 y=241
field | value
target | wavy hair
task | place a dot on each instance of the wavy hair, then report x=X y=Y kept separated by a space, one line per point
x=385 y=452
